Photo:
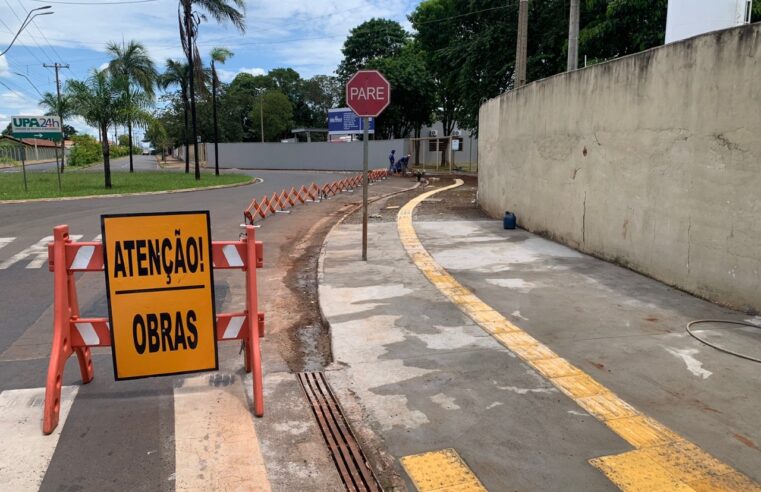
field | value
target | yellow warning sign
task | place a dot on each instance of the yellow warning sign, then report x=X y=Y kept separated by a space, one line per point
x=159 y=279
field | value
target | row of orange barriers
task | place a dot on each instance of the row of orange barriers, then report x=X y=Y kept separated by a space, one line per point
x=260 y=209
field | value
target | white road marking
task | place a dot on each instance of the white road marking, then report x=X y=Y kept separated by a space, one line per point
x=26 y=452
x=216 y=447
x=5 y=241
x=96 y=239
x=693 y=365
x=524 y=391
x=38 y=253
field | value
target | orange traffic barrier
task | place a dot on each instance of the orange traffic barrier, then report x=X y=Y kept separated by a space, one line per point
x=75 y=335
x=260 y=209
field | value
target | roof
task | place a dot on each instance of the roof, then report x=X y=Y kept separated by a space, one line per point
x=30 y=142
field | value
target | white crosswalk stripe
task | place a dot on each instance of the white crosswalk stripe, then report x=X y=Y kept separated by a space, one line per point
x=38 y=253
x=5 y=241
x=26 y=453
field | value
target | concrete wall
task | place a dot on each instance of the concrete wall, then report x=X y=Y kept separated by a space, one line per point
x=321 y=156
x=652 y=160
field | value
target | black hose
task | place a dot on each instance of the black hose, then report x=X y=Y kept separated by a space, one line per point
x=721 y=349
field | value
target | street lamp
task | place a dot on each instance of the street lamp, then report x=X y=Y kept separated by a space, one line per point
x=29 y=19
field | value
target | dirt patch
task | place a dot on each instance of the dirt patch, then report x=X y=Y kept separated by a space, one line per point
x=459 y=202
x=288 y=281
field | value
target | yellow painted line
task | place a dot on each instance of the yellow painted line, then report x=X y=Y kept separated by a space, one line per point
x=662 y=459
x=442 y=470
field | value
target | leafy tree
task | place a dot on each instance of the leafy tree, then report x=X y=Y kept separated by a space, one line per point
x=8 y=130
x=232 y=11
x=376 y=38
x=321 y=93
x=132 y=63
x=413 y=97
x=69 y=131
x=100 y=101
x=218 y=55
x=237 y=104
x=158 y=136
x=49 y=103
x=613 y=29
x=176 y=74
x=278 y=115
x=470 y=46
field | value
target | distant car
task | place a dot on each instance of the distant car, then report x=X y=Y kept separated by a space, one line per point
x=146 y=152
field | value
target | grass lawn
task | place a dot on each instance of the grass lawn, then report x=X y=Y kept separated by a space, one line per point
x=45 y=184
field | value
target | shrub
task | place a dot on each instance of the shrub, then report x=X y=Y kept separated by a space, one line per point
x=86 y=150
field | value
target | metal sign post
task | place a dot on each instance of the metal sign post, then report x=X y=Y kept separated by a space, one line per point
x=368 y=93
x=23 y=165
x=364 y=186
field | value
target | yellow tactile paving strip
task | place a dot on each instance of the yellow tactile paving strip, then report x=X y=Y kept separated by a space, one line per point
x=442 y=470
x=661 y=460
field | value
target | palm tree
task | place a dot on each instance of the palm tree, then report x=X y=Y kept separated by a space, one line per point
x=61 y=107
x=132 y=62
x=232 y=11
x=176 y=74
x=217 y=55
x=100 y=101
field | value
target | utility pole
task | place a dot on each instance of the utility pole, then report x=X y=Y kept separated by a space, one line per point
x=191 y=83
x=573 y=37
x=522 y=47
x=261 y=112
x=58 y=67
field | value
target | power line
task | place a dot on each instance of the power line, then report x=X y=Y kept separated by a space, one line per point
x=98 y=4
x=34 y=23
x=33 y=40
x=30 y=82
x=13 y=91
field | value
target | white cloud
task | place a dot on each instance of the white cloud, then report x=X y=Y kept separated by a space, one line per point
x=3 y=67
x=229 y=75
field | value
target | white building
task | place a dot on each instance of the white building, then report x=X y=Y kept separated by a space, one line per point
x=688 y=18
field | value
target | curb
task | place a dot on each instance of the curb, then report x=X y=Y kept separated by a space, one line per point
x=122 y=195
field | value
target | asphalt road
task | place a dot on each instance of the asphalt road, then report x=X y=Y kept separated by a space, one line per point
x=125 y=423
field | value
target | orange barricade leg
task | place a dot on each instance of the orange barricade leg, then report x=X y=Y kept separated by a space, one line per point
x=253 y=321
x=61 y=349
x=83 y=353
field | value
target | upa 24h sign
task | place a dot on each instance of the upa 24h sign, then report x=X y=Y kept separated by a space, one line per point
x=159 y=279
x=47 y=127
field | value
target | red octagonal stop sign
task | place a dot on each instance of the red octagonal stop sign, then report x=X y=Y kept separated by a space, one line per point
x=368 y=93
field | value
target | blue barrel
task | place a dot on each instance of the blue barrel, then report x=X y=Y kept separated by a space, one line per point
x=509 y=220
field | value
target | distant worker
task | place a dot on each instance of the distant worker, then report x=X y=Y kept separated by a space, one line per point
x=391 y=161
x=405 y=163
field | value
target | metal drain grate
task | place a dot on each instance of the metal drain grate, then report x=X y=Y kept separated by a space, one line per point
x=347 y=455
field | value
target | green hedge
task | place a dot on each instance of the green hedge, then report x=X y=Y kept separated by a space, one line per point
x=87 y=150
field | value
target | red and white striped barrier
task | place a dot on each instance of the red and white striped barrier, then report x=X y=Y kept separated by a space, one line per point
x=75 y=335
x=260 y=209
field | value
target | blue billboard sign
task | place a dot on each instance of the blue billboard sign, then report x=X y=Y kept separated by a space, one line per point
x=343 y=121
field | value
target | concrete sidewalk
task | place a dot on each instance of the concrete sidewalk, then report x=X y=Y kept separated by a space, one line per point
x=416 y=374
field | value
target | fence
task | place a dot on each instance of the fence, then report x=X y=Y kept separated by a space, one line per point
x=15 y=153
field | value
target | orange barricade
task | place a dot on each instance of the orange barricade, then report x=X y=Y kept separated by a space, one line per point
x=287 y=199
x=75 y=335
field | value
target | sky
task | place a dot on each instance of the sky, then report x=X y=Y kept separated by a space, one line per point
x=305 y=35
